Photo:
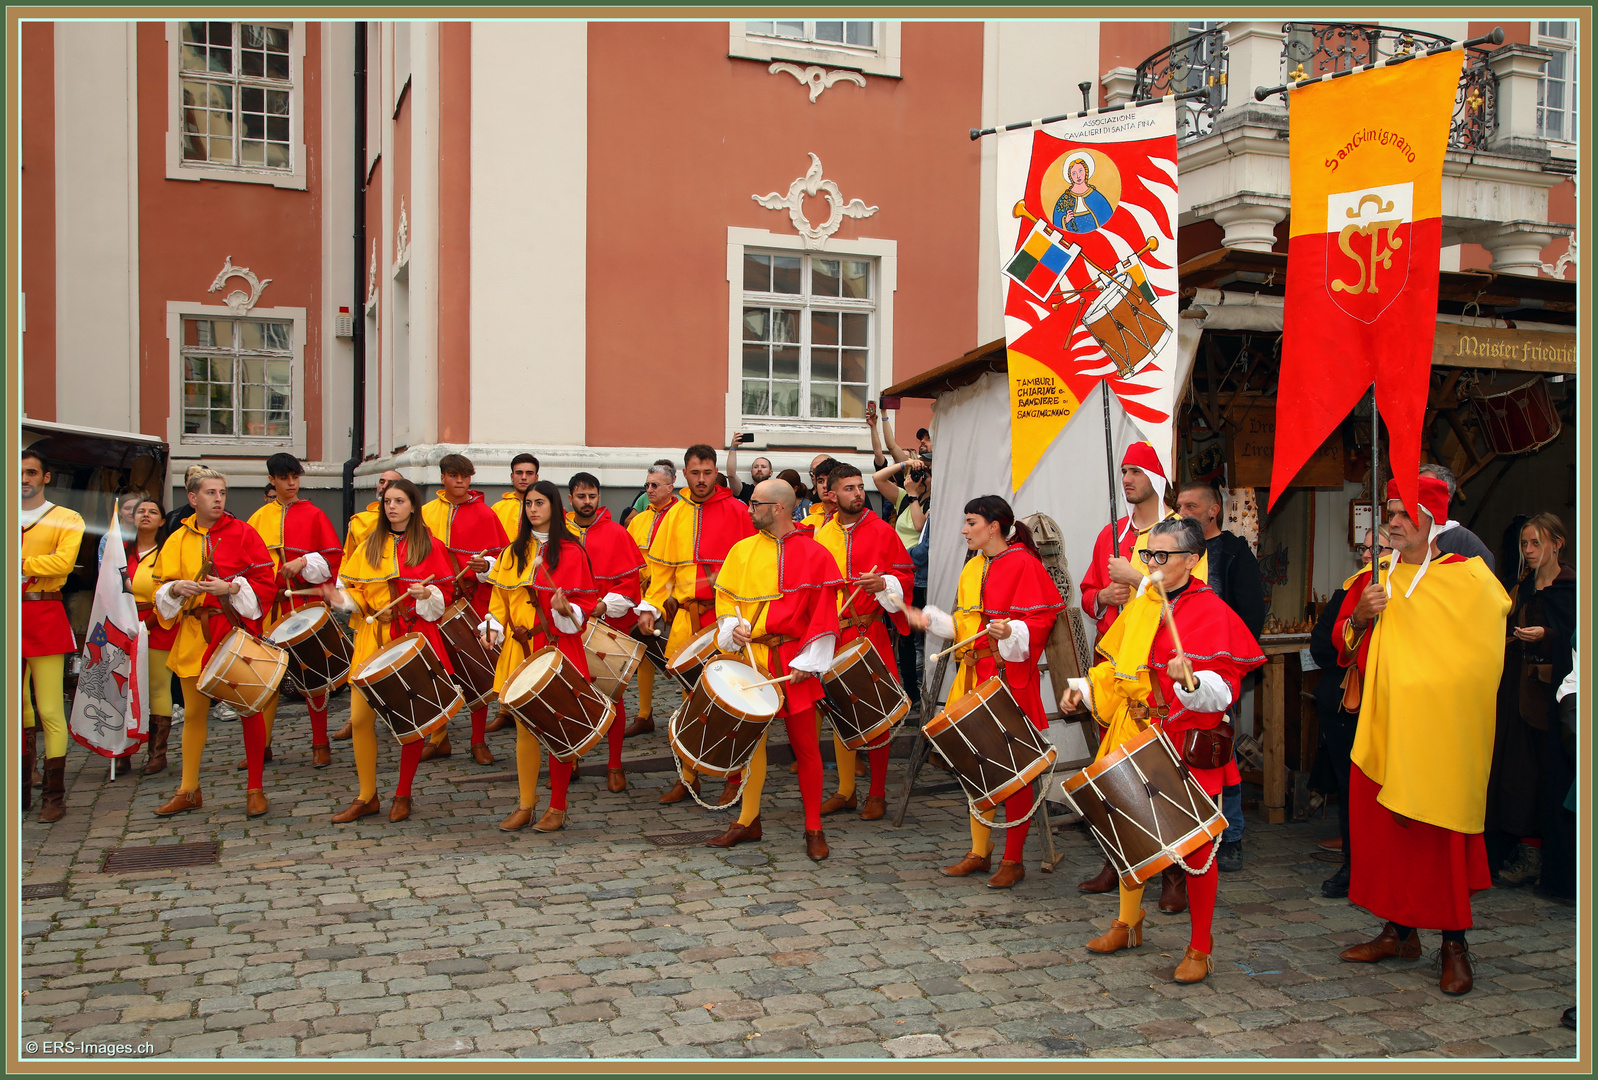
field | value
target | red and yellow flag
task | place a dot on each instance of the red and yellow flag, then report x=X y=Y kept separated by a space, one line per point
x=1366 y=154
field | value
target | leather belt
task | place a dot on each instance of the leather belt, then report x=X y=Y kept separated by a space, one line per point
x=771 y=641
x=1142 y=710
x=41 y=596
x=860 y=622
x=143 y=607
x=972 y=653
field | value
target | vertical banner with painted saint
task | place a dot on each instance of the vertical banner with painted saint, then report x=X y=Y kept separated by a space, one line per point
x=1087 y=233
x=1363 y=251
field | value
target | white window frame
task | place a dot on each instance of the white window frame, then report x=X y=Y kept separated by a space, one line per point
x=185 y=445
x=178 y=169
x=844 y=434
x=1568 y=46
x=881 y=60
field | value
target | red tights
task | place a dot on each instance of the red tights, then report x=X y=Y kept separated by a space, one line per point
x=254 y=730
x=1015 y=808
x=878 y=761
x=479 y=722
x=560 y=779
x=804 y=738
x=1201 y=890
x=317 y=706
x=617 y=726
x=410 y=757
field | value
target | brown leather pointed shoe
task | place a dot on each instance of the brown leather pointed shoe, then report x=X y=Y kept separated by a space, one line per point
x=520 y=818
x=1456 y=975
x=321 y=756
x=835 y=803
x=875 y=809
x=1009 y=874
x=356 y=810
x=437 y=749
x=736 y=834
x=971 y=864
x=730 y=793
x=1104 y=881
x=552 y=821
x=400 y=808
x=816 y=844
x=255 y=803
x=639 y=725
x=1173 y=893
x=1119 y=936
x=501 y=720
x=266 y=759
x=1382 y=946
x=345 y=732
x=1195 y=966
x=183 y=800
x=481 y=755
x=616 y=780
x=679 y=791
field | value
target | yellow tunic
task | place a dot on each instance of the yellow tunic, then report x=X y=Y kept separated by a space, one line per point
x=508 y=507
x=368 y=587
x=815 y=517
x=967 y=615
x=746 y=580
x=512 y=607
x=1120 y=684
x=673 y=573
x=361 y=526
x=1428 y=714
x=50 y=549
x=639 y=528
x=181 y=558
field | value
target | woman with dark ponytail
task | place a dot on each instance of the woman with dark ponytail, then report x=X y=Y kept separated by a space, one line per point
x=1006 y=591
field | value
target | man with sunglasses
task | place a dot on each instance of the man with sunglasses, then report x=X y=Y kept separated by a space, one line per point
x=1427 y=636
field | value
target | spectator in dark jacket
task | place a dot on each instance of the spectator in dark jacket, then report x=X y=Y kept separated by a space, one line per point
x=1234 y=574
x=1455 y=539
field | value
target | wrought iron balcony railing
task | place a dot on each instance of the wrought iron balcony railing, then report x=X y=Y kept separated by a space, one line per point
x=1194 y=63
x=1314 y=49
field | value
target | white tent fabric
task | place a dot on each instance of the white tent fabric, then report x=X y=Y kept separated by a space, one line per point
x=971 y=433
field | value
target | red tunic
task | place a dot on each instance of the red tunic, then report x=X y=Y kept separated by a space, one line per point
x=722 y=522
x=804 y=608
x=435 y=567
x=235 y=550
x=469 y=529
x=1017 y=587
x=1097 y=576
x=615 y=560
x=160 y=637
x=1213 y=639
x=304 y=529
x=574 y=576
x=870 y=542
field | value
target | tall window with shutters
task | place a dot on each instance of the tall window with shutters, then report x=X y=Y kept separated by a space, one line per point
x=807 y=333
x=238 y=379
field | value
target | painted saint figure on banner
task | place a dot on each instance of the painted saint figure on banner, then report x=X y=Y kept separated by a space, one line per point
x=1082 y=207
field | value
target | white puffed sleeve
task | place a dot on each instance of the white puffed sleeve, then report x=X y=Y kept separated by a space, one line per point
x=815 y=657
x=939 y=622
x=245 y=602
x=1212 y=695
x=724 y=635
x=431 y=607
x=892 y=596
x=1018 y=646
x=316 y=570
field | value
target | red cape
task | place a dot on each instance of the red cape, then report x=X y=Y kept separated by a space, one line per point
x=872 y=542
x=1017 y=587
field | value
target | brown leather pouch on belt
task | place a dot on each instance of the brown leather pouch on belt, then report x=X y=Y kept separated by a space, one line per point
x=1353 y=689
x=1207 y=748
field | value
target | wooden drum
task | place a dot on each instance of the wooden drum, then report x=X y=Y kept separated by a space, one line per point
x=990 y=745
x=549 y=698
x=474 y=665
x=407 y=686
x=719 y=727
x=613 y=657
x=864 y=699
x=244 y=672
x=318 y=646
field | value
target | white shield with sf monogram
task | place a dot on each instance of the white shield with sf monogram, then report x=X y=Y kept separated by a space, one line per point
x=1367 y=247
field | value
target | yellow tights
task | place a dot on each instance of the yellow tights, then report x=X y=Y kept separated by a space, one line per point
x=44 y=676
x=363 y=741
x=1131 y=905
x=160 y=689
x=529 y=759
x=196 y=711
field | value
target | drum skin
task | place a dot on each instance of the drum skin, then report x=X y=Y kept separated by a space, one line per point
x=864 y=699
x=244 y=672
x=561 y=709
x=405 y=683
x=321 y=652
x=1121 y=809
x=474 y=665
x=716 y=735
x=689 y=663
x=613 y=657
x=990 y=744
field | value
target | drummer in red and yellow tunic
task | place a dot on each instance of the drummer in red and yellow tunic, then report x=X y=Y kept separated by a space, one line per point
x=777 y=596
x=1142 y=681
x=471 y=533
x=617 y=566
x=400 y=560
x=691 y=541
x=508 y=507
x=360 y=526
x=877 y=576
x=543 y=590
x=1005 y=592
x=211 y=559
x=51 y=536
x=642 y=528
x=305 y=552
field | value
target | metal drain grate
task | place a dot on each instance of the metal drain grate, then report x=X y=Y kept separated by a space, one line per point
x=43 y=892
x=160 y=857
x=682 y=839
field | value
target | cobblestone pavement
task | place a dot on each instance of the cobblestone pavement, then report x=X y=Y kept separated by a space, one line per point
x=443 y=937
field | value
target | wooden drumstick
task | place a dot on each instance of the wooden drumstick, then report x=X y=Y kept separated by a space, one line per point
x=959 y=644
x=1157 y=579
x=302 y=592
x=770 y=682
x=856 y=592
x=372 y=618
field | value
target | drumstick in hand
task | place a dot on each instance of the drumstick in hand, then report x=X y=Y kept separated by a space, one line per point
x=1158 y=580
x=372 y=618
x=958 y=644
x=770 y=682
x=856 y=592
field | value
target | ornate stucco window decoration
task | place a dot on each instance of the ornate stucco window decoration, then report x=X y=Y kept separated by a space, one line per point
x=812 y=184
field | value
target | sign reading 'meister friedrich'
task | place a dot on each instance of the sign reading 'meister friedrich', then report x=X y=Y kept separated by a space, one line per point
x=1501 y=348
